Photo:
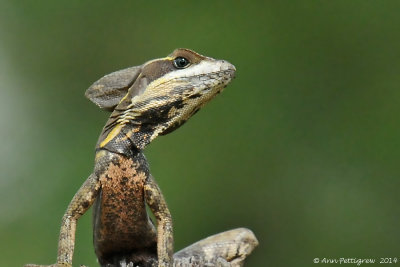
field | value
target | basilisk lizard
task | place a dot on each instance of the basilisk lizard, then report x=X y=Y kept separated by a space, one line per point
x=146 y=101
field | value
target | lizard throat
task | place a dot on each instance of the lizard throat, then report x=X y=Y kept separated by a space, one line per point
x=165 y=105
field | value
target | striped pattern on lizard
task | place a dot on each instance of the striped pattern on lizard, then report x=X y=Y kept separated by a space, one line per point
x=146 y=101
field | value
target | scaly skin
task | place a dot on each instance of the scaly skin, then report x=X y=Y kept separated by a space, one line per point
x=148 y=100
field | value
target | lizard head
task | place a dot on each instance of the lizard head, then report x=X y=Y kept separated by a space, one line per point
x=164 y=93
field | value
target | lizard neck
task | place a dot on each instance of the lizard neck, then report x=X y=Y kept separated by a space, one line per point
x=129 y=128
x=127 y=138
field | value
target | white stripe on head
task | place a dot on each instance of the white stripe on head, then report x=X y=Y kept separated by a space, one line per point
x=206 y=66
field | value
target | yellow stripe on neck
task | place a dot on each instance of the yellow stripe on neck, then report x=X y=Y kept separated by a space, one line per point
x=114 y=132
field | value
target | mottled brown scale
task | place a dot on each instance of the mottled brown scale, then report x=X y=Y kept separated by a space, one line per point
x=120 y=216
x=146 y=101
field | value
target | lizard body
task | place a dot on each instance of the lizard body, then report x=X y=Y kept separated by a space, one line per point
x=146 y=101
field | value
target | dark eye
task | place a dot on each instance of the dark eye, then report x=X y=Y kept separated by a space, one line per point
x=181 y=62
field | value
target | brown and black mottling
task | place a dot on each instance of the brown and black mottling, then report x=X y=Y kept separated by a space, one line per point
x=121 y=184
x=122 y=229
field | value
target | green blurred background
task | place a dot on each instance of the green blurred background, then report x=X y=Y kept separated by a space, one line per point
x=302 y=147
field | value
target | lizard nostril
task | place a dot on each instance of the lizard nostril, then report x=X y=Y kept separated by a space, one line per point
x=225 y=65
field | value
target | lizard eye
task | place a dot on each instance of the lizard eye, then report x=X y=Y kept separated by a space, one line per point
x=181 y=62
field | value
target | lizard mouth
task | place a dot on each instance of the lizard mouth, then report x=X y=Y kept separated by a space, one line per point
x=231 y=73
x=228 y=71
x=228 y=68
